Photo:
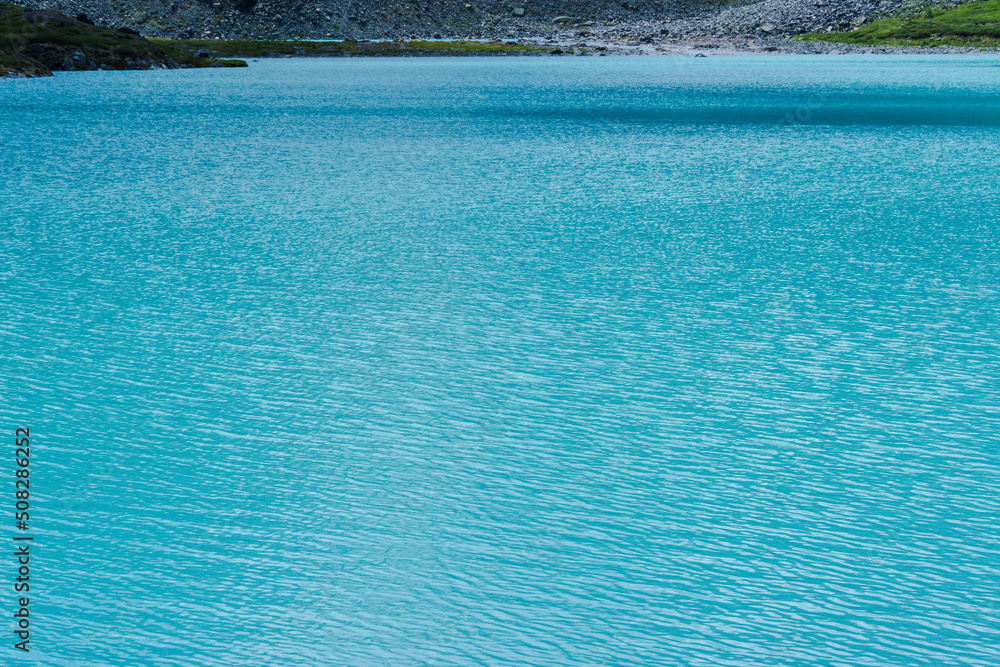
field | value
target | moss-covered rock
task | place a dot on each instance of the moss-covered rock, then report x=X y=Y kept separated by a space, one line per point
x=36 y=43
x=11 y=65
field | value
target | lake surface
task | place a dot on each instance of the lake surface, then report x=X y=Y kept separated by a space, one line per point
x=579 y=361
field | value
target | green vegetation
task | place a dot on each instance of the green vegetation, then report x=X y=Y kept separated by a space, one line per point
x=35 y=43
x=12 y=27
x=974 y=24
x=245 y=48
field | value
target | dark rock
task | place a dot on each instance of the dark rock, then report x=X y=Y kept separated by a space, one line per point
x=83 y=18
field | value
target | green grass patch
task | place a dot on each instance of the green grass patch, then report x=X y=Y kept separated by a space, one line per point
x=976 y=24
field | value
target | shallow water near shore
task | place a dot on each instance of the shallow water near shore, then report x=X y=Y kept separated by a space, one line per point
x=513 y=361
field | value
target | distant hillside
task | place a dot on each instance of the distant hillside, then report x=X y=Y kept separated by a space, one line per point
x=635 y=21
x=359 y=19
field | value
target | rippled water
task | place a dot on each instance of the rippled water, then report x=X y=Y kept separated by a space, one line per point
x=509 y=362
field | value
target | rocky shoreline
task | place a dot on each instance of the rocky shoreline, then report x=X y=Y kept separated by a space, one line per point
x=202 y=34
x=596 y=44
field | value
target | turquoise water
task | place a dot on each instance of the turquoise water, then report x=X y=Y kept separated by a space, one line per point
x=573 y=361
